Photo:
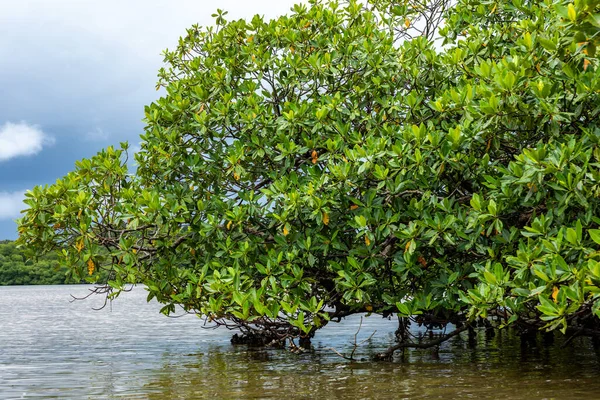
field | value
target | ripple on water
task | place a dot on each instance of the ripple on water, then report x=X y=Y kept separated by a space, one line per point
x=52 y=348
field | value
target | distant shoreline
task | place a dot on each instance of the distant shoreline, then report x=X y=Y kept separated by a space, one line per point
x=16 y=269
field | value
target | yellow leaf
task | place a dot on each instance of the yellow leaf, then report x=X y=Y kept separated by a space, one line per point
x=325 y=218
x=91 y=266
x=79 y=246
x=489 y=144
x=134 y=251
x=555 y=294
x=229 y=225
x=407 y=22
x=586 y=64
x=572 y=13
x=369 y=308
x=407 y=245
x=79 y=214
x=367 y=240
x=353 y=207
x=236 y=176
x=285 y=231
x=315 y=156
x=250 y=39
x=494 y=8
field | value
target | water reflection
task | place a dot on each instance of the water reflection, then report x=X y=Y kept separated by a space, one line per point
x=491 y=371
x=55 y=349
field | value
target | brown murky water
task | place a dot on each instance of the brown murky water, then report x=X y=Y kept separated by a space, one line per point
x=51 y=348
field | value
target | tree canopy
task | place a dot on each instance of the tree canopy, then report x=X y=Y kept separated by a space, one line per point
x=401 y=158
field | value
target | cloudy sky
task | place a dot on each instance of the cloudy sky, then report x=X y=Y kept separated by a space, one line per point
x=75 y=76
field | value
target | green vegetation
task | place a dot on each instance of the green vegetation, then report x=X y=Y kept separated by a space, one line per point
x=16 y=269
x=336 y=161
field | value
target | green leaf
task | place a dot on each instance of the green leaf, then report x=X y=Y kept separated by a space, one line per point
x=548 y=44
x=595 y=235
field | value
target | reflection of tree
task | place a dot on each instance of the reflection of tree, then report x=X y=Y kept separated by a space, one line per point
x=495 y=367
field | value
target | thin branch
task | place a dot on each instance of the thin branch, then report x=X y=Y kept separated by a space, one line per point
x=355 y=345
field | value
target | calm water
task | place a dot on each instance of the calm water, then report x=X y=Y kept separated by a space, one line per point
x=51 y=348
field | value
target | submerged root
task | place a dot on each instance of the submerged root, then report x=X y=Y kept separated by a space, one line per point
x=257 y=339
x=389 y=353
x=271 y=339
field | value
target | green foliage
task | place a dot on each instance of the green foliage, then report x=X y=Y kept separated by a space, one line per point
x=325 y=163
x=17 y=269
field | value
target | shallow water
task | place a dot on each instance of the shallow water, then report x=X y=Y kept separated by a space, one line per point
x=52 y=348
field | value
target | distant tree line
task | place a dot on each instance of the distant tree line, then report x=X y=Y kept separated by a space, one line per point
x=17 y=269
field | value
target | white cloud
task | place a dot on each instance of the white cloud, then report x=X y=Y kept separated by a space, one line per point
x=21 y=139
x=97 y=134
x=134 y=148
x=11 y=204
x=100 y=58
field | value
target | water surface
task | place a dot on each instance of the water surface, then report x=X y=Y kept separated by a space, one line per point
x=52 y=348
